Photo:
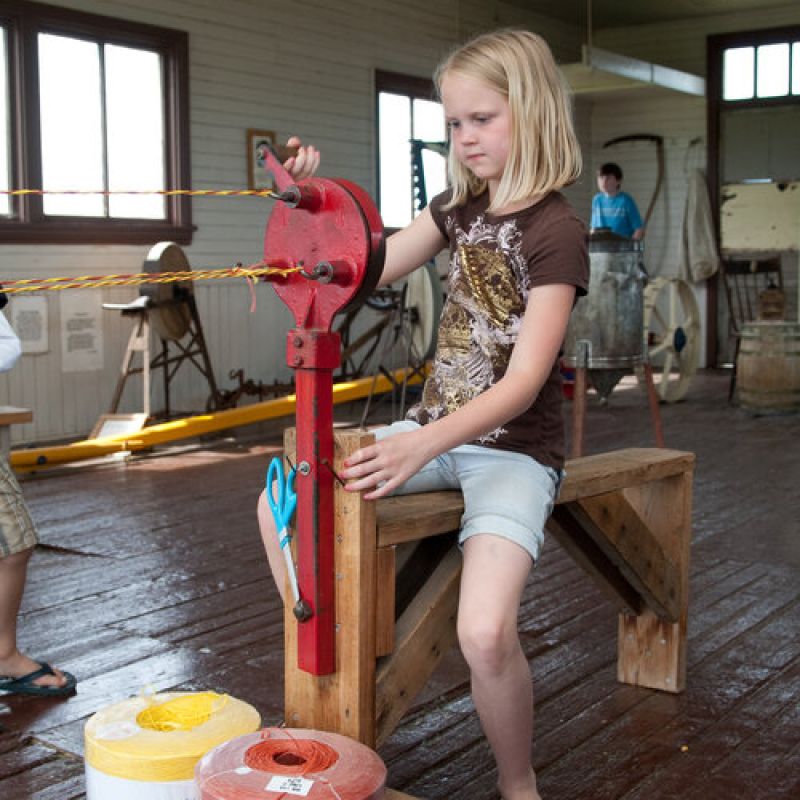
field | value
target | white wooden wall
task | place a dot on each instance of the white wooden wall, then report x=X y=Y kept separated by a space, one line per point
x=308 y=69
x=293 y=68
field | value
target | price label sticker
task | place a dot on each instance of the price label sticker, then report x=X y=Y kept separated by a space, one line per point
x=290 y=784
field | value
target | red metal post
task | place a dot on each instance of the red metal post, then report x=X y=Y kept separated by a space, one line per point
x=314 y=355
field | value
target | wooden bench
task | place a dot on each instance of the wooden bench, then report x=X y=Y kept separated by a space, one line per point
x=624 y=516
x=11 y=415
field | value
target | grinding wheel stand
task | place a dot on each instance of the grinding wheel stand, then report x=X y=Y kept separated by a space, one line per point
x=170 y=312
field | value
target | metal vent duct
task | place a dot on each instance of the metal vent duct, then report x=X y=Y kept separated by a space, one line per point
x=601 y=71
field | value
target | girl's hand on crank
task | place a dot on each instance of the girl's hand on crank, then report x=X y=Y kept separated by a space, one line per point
x=304 y=164
x=381 y=467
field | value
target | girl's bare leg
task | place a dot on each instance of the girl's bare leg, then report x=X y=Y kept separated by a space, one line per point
x=266 y=525
x=493 y=578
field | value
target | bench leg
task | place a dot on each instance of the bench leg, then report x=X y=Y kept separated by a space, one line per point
x=652 y=652
x=425 y=633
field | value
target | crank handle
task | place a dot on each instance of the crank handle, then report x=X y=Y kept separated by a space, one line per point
x=308 y=196
x=302 y=611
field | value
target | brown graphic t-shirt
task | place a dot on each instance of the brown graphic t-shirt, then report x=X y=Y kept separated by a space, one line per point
x=494 y=263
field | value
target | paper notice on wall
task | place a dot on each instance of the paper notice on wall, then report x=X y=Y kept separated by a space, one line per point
x=81 y=332
x=28 y=318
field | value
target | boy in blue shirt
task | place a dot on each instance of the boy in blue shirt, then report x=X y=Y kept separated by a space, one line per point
x=614 y=209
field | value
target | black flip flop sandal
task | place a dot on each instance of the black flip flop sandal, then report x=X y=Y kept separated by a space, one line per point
x=26 y=683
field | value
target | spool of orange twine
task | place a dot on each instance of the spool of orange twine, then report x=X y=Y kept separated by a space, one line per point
x=281 y=763
x=299 y=757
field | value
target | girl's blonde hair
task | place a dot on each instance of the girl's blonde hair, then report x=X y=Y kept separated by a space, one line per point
x=544 y=154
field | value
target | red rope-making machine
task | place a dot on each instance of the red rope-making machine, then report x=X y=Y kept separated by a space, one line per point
x=331 y=230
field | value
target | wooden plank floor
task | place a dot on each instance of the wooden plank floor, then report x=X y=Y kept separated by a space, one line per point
x=151 y=575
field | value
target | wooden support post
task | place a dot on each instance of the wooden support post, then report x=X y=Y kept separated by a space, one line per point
x=425 y=632
x=652 y=651
x=344 y=701
x=630 y=545
x=579 y=398
x=386 y=564
x=652 y=401
x=139 y=342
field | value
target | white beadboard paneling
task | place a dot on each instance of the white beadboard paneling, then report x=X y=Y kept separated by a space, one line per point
x=309 y=70
x=305 y=69
x=682 y=45
x=581 y=192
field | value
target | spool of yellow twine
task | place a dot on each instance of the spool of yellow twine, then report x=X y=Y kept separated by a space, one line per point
x=147 y=747
x=181 y=713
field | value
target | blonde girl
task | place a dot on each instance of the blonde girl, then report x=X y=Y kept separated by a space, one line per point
x=489 y=421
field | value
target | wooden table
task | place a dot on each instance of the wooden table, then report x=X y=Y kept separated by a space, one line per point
x=9 y=415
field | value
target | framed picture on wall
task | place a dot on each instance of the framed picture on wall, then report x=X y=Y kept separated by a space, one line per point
x=257 y=142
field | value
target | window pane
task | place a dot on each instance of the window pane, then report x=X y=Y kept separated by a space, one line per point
x=428 y=121
x=135 y=131
x=394 y=113
x=5 y=127
x=796 y=68
x=70 y=108
x=429 y=126
x=773 y=70
x=737 y=73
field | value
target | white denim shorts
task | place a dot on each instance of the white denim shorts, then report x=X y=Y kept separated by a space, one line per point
x=506 y=494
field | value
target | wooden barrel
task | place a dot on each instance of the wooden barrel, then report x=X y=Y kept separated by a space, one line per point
x=768 y=367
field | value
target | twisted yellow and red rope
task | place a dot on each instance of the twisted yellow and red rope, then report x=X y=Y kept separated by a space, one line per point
x=258 y=270
x=164 y=192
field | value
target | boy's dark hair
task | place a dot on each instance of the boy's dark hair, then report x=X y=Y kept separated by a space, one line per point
x=610 y=168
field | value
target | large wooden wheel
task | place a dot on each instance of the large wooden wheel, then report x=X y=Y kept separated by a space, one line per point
x=423 y=305
x=169 y=313
x=672 y=335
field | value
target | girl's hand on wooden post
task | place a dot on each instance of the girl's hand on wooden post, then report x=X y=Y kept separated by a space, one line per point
x=380 y=468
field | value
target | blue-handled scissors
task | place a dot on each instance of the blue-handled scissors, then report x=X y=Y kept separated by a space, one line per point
x=283 y=507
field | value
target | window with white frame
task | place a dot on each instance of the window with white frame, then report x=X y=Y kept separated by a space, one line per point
x=406 y=112
x=755 y=72
x=96 y=117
